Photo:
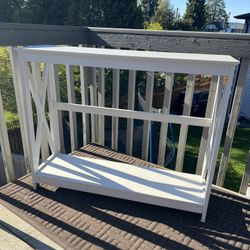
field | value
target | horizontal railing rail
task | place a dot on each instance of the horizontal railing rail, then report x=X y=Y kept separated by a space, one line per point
x=235 y=44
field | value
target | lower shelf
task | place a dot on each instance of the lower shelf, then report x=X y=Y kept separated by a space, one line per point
x=154 y=186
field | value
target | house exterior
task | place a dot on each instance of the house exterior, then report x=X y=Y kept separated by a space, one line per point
x=245 y=104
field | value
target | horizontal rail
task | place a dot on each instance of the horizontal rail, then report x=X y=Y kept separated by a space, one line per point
x=14 y=34
x=139 y=115
x=236 y=45
x=131 y=60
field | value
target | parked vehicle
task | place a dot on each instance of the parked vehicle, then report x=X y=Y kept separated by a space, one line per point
x=199 y=103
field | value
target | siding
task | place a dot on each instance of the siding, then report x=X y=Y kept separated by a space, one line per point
x=245 y=104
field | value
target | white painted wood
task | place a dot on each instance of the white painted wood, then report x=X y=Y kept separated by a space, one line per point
x=5 y=146
x=215 y=139
x=84 y=77
x=148 y=185
x=131 y=106
x=148 y=108
x=93 y=101
x=39 y=103
x=218 y=95
x=101 y=103
x=54 y=80
x=169 y=81
x=184 y=128
x=112 y=178
x=36 y=73
x=209 y=111
x=71 y=99
x=140 y=115
x=115 y=104
x=27 y=116
x=131 y=60
x=15 y=68
x=54 y=114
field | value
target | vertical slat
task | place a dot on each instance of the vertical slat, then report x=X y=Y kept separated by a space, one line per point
x=93 y=102
x=215 y=139
x=169 y=80
x=55 y=81
x=209 y=111
x=148 y=108
x=19 y=101
x=101 y=103
x=131 y=106
x=84 y=77
x=184 y=128
x=5 y=146
x=246 y=177
x=55 y=115
x=72 y=115
x=115 y=104
x=232 y=121
x=38 y=82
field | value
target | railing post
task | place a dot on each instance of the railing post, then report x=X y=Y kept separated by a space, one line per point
x=115 y=104
x=148 y=108
x=232 y=121
x=101 y=103
x=246 y=177
x=84 y=76
x=169 y=81
x=184 y=128
x=71 y=99
x=131 y=106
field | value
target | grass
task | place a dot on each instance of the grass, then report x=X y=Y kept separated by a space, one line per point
x=238 y=154
x=10 y=116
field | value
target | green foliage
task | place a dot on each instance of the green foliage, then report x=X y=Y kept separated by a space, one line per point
x=195 y=14
x=182 y=24
x=148 y=8
x=11 y=10
x=103 y=13
x=122 y=14
x=164 y=14
x=6 y=86
x=152 y=26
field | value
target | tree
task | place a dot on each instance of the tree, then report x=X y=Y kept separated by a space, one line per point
x=195 y=14
x=216 y=14
x=109 y=13
x=148 y=8
x=164 y=14
x=45 y=11
x=10 y=10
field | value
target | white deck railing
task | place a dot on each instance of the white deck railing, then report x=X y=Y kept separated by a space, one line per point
x=29 y=81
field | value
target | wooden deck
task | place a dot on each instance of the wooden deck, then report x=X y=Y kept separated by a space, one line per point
x=78 y=220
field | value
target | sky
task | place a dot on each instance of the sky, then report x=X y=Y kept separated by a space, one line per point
x=236 y=7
